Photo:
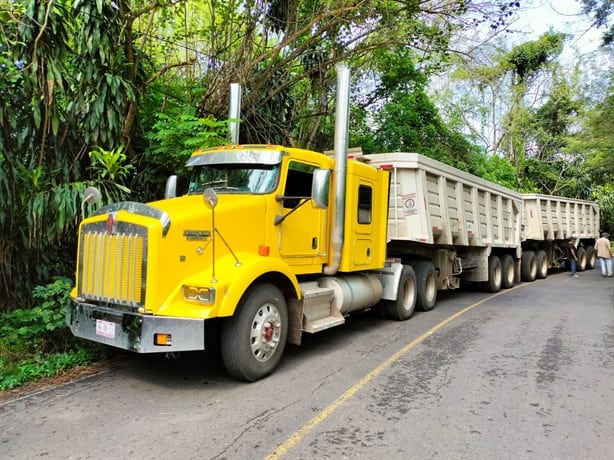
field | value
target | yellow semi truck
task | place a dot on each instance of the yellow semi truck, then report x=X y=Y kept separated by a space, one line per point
x=151 y=275
x=272 y=242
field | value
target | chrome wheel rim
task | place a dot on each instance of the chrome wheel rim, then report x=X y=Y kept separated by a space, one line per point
x=265 y=332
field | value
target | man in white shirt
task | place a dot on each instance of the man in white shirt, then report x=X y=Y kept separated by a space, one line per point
x=604 y=254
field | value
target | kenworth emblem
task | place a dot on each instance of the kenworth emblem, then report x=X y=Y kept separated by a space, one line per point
x=196 y=235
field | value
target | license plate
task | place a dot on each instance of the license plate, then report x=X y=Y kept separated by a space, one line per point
x=105 y=328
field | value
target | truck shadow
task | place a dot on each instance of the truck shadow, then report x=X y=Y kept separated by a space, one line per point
x=199 y=369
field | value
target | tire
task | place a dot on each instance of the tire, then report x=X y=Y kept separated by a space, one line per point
x=591 y=258
x=402 y=308
x=507 y=269
x=581 y=264
x=541 y=261
x=528 y=266
x=253 y=340
x=495 y=274
x=426 y=279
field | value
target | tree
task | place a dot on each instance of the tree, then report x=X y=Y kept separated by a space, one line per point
x=42 y=148
x=525 y=63
x=36 y=201
x=401 y=117
x=596 y=141
x=284 y=54
x=511 y=106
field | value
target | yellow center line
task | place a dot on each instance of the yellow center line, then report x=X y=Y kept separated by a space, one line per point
x=282 y=449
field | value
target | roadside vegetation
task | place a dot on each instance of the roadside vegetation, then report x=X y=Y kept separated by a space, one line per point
x=35 y=342
x=117 y=94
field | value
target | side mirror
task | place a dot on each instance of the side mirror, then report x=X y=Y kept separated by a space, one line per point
x=171 y=187
x=320 y=188
x=91 y=195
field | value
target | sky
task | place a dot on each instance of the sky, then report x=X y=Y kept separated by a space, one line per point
x=539 y=16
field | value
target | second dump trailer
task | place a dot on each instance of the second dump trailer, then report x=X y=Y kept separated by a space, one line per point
x=548 y=222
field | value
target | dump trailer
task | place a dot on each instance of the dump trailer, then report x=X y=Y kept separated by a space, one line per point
x=449 y=225
x=548 y=223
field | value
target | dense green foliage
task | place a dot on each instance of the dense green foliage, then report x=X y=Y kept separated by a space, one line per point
x=116 y=94
x=174 y=139
x=597 y=141
x=36 y=343
x=45 y=131
x=398 y=116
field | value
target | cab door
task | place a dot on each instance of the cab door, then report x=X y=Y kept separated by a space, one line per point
x=366 y=219
x=302 y=232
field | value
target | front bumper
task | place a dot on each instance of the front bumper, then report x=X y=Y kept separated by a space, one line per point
x=134 y=331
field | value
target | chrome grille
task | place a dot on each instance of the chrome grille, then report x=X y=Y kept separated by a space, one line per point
x=112 y=267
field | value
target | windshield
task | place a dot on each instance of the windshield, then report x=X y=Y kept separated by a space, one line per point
x=234 y=178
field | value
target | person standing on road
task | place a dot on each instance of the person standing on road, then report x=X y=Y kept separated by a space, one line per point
x=573 y=255
x=604 y=254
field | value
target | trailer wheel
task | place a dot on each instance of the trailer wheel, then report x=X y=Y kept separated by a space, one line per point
x=426 y=278
x=542 y=264
x=528 y=266
x=581 y=265
x=253 y=340
x=402 y=308
x=507 y=268
x=591 y=257
x=495 y=274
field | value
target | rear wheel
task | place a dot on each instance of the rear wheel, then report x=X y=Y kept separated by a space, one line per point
x=591 y=257
x=495 y=274
x=541 y=261
x=253 y=340
x=581 y=264
x=426 y=279
x=507 y=269
x=528 y=266
x=402 y=308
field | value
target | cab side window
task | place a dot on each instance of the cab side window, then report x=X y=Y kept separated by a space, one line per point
x=298 y=184
x=365 y=204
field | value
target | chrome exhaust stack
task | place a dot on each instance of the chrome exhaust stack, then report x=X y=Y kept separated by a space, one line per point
x=342 y=116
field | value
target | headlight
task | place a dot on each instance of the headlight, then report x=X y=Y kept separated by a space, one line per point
x=199 y=294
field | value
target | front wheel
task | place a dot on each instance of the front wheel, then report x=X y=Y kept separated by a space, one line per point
x=253 y=340
x=402 y=308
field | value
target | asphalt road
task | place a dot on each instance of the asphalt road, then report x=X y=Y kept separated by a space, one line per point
x=526 y=374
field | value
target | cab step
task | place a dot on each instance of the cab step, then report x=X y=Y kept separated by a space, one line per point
x=318 y=310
